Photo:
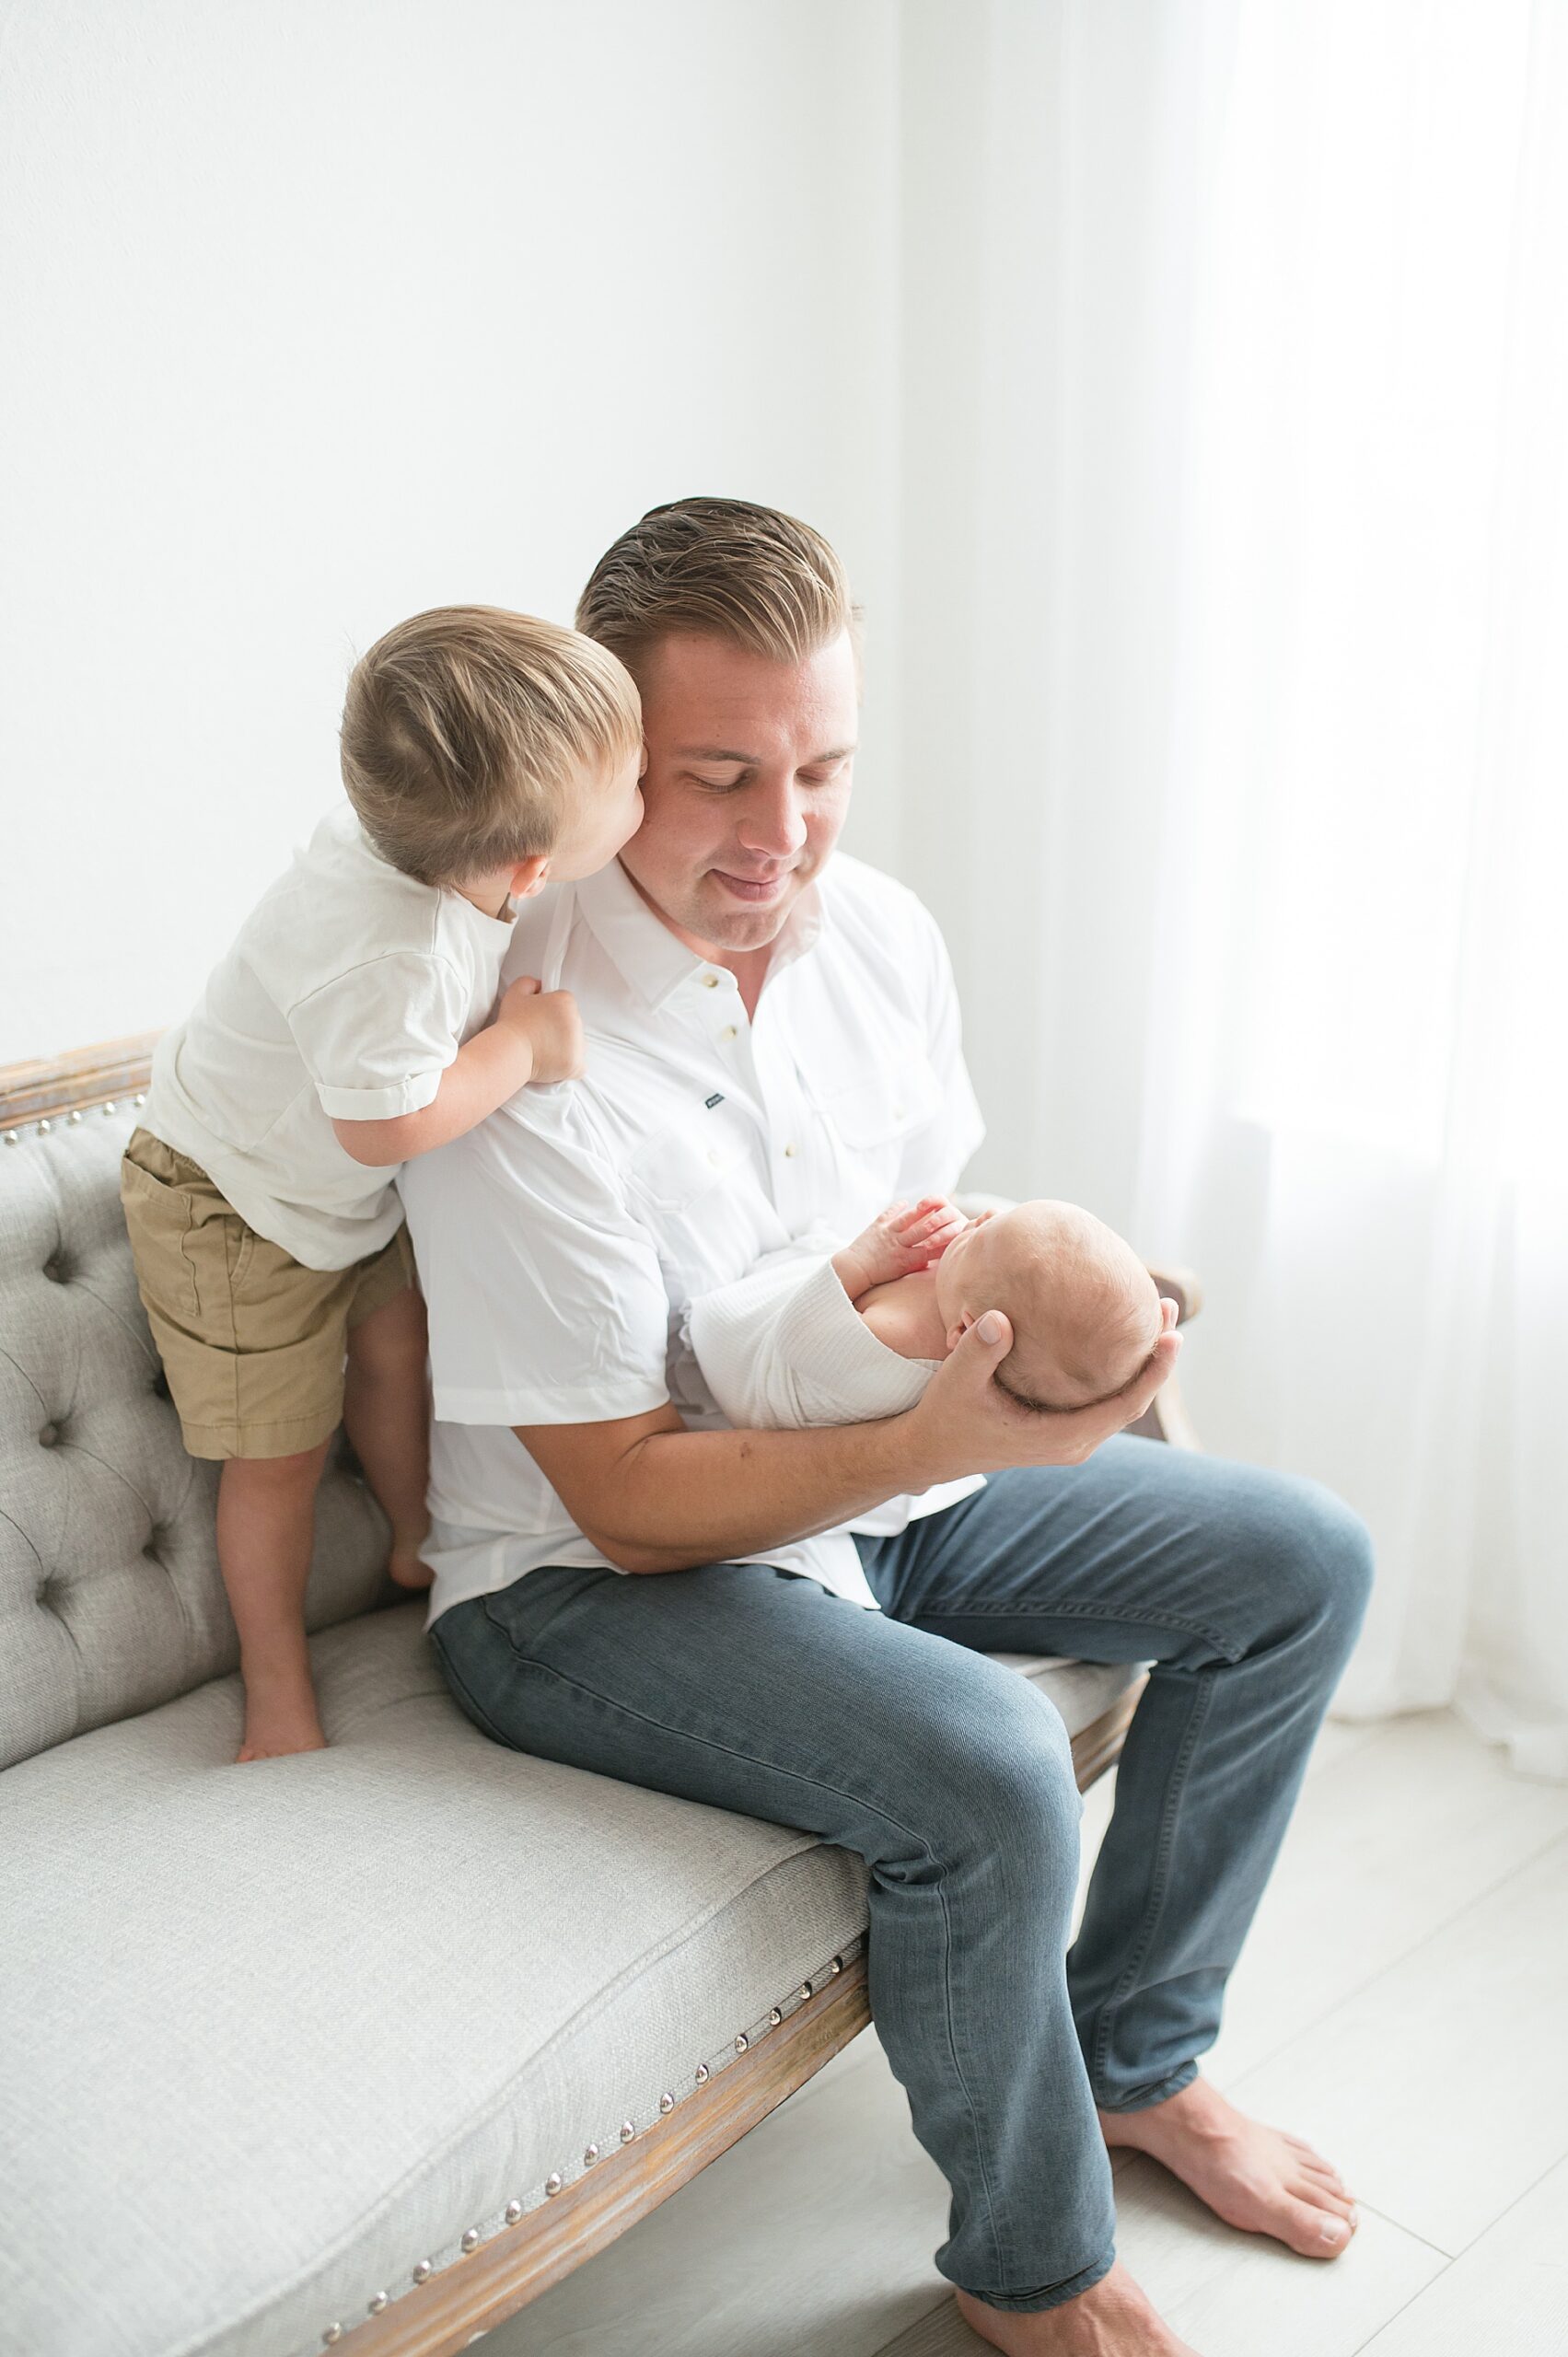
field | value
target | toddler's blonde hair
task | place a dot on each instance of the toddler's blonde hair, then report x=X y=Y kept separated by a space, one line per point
x=465 y=727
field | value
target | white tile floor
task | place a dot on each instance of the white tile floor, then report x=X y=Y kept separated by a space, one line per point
x=1404 y=2002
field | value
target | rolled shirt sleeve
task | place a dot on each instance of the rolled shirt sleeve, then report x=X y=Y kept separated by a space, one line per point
x=546 y=1301
x=376 y=1039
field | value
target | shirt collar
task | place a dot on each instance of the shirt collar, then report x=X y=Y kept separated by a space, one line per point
x=651 y=959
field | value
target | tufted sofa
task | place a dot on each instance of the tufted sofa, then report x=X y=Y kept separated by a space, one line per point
x=366 y=2048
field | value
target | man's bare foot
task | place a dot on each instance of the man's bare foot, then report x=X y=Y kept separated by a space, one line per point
x=1250 y=2176
x=280 y=1717
x=1111 y=2319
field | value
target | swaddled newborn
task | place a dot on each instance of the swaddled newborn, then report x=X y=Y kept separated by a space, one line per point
x=815 y=1336
x=1085 y=1311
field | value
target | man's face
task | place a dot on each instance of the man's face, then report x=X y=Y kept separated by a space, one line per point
x=747 y=786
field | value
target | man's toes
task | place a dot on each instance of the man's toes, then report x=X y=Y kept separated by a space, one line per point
x=1315 y=2233
x=1324 y=2197
x=1321 y=2174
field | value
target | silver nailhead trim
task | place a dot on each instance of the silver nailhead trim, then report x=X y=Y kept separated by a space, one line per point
x=552 y=2183
x=471 y=2239
x=423 y=2271
x=111 y=1106
x=806 y=1989
x=333 y=2332
x=776 y=2018
x=514 y=2211
x=666 y=2102
x=838 y=1964
x=701 y=2073
x=590 y=2156
x=627 y=2132
x=143 y=1099
x=44 y=1127
x=13 y=1137
x=741 y=2043
x=377 y=2304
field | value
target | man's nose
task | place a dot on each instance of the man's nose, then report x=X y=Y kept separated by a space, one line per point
x=772 y=823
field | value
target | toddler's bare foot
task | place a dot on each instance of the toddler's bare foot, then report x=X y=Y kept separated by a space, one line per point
x=1256 y=2178
x=1112 y=2320
x=280 y=1717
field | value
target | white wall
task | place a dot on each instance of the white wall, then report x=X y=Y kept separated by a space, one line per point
x=315 y=316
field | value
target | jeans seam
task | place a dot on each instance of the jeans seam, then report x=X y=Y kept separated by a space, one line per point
x=1203 y=1696
x=475 y=1710
x=818 y=1784
x=1084 y=1612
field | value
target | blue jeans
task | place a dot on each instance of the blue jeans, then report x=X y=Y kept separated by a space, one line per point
x=894 y=1734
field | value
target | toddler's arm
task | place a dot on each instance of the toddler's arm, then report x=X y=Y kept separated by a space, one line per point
x=537 y=1036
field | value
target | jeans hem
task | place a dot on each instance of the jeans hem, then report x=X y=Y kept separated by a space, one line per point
x=1160 y=2092
x=1054 y=2295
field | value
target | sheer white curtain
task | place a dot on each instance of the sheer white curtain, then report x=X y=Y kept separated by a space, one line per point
x=1235 y=703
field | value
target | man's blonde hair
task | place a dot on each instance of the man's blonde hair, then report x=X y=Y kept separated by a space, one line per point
x=464 y=729
x=719 y=568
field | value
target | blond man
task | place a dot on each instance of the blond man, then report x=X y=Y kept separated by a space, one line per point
x=352 y=1025
x=799 y=1624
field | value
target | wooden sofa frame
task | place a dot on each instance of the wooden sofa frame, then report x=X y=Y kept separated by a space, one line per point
x=443 y=2315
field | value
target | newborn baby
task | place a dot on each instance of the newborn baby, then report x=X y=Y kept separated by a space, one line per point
x=813 y=1336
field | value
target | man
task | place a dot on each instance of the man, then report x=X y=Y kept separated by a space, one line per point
x=774 y=1038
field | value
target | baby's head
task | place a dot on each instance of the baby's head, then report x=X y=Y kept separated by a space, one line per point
x=1084 y=1310
x=477 y=742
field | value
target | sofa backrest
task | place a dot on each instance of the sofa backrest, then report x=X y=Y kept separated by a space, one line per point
x=110 y=1596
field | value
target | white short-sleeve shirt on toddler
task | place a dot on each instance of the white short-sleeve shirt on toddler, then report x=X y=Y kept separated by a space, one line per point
x=561 y=1242
x=348 y=990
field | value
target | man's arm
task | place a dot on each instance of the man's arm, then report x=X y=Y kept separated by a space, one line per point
x=654 y=1497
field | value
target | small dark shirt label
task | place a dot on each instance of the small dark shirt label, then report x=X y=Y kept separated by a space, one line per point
x=716 y=1098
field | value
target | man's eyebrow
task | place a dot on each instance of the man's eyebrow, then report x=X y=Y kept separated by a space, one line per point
x=748 y=760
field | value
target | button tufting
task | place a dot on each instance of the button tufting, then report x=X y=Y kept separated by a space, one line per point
x=54 y=1269
x=48 y=1436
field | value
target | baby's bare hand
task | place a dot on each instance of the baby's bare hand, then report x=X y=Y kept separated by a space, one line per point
x=900 y=1240
x=550 y=1022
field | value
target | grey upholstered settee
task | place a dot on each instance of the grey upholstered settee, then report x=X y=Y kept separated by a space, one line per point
x=364 y=2047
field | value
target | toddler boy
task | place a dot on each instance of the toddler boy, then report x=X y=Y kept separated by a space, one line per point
x=354 y=1024
x=813 y=1336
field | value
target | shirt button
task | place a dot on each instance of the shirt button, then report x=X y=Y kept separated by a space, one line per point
x=728 y=1031
x=790 y=1149
x=710 y=982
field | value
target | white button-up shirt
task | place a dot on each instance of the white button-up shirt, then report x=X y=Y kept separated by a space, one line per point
x=561 y=1243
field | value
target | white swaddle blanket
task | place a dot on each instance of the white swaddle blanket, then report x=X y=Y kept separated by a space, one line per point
x=784 y=1346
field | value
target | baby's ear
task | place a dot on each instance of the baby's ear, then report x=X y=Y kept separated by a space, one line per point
x=956 y=1333
x=529 y=875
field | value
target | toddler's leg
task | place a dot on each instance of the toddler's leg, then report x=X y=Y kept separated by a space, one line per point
x=265 y=1527
x=387 y=1410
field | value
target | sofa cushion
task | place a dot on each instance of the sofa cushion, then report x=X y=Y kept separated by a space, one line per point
x=110 y=1595
x=277 y=2032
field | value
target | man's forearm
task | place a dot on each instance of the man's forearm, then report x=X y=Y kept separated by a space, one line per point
x=678 y=1498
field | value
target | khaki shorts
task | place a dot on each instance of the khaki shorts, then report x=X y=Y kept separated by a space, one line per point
x=252 y=1343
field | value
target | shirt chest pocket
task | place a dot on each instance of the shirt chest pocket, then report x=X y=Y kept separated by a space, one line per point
x=870 y=1118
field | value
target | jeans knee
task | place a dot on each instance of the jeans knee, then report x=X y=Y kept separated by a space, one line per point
x=1014 y=1797
x=1328 y=1565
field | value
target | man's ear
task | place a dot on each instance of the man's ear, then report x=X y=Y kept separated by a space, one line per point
x=528 y=876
